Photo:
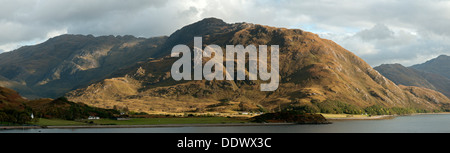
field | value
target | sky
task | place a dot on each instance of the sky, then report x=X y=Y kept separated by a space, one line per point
x=379 y=31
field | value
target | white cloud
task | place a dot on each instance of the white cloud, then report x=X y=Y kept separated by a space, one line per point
x=55 y=33
x=9 y=46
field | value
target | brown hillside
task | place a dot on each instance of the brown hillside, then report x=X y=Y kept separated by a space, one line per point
x=312 y=71
x=10 y=99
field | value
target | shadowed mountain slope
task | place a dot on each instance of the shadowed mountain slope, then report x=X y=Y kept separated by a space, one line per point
x=411 y=76
x=67 y=62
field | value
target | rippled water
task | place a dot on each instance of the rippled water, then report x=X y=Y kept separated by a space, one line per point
x=429 y=123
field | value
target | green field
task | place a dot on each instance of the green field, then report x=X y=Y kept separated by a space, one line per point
x=57 y=122
x=142 y=121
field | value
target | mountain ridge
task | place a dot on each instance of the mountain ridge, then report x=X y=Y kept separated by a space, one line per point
x=66 y=62
x=439 y=65
x=107 y=71
x=315 y=73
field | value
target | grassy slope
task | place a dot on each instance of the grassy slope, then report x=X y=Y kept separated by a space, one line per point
x=142 y=121
x=57 y=122
x=152 y=121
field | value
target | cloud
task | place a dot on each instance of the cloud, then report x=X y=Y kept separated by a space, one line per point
x=380 y=45
x=27 y=20
x=378 y=32
x=402 y=31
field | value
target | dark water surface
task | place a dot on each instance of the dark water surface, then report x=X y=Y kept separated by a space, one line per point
x=428 y=123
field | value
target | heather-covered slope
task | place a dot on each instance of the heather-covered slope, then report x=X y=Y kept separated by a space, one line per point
x=10 y=99
x=315 y=73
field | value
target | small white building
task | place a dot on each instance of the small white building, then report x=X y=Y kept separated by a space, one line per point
x=93 y=118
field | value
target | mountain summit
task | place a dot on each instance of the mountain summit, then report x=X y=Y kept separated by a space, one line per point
x=316 y=74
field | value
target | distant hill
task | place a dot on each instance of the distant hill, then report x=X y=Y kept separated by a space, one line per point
x=439 y=65
x=10 y=99
x=428 y=75
x=61 y=108
x=316 y=74
x=66 y=62
x=16 y=109
x=403 y=75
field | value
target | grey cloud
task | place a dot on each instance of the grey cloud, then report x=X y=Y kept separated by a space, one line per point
x=189 y=12
x=25 y=20
x=379 y=31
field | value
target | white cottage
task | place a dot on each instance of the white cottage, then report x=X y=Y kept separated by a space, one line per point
x=93 y=118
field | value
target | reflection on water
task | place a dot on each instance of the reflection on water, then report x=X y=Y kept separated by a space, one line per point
x=434 y=123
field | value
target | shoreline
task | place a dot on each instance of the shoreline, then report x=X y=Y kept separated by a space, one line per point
x=377 y=117
x=381 y=117
x=439 y=113
x=141 y=126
